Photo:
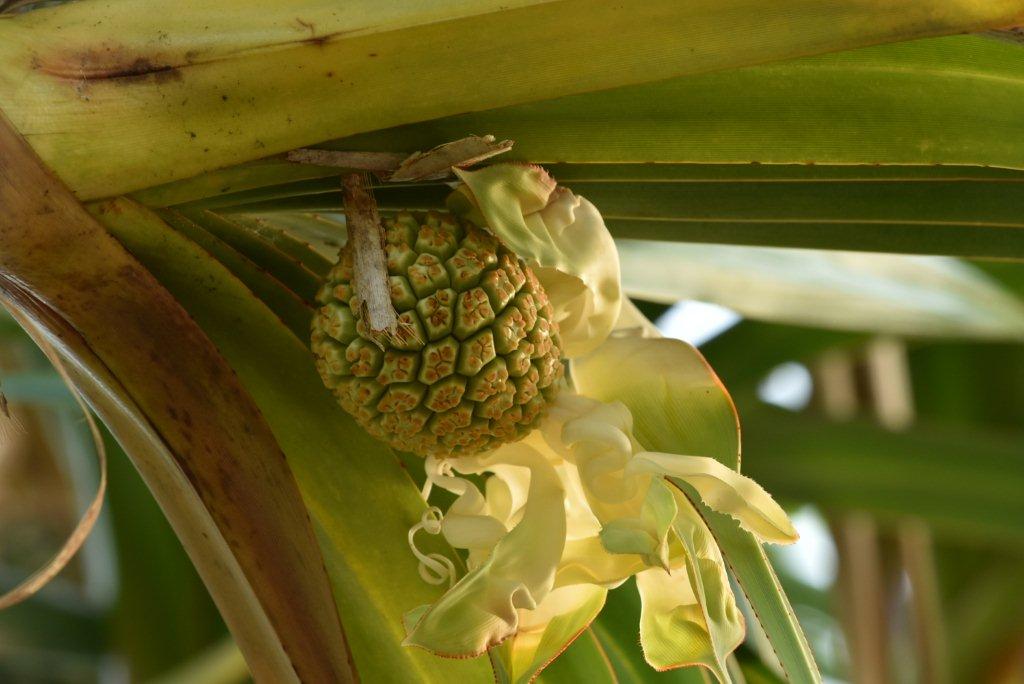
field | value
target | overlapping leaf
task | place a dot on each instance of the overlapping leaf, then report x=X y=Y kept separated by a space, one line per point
x=217 y=468
x=155 y=91
x=361 y=501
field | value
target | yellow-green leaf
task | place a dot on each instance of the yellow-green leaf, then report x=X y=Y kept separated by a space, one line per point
x=724 y=490
x=130 y=94
x=690 y=617
x=545 y=633
x=673 y=394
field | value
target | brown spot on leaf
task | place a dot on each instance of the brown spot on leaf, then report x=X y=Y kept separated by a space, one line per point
x=116 y=64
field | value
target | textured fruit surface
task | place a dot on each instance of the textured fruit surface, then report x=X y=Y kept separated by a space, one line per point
x=479 y=356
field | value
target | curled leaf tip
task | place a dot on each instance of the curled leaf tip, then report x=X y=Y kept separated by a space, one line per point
x=724 y=490
x=561 y=235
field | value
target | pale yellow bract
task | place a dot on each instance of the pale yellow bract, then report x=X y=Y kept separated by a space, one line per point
x=581 y=504
x=561 y=235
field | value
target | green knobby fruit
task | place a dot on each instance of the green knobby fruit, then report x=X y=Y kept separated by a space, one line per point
x=479 y=357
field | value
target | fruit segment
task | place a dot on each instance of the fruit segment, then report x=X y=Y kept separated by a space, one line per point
x=479 y=357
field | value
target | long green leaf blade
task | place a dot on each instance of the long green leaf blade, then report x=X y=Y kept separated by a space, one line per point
x=899 y=295
x=961 y=212
x=289 y=307
x=953 y=100
x=174 y=100
x=755 y=574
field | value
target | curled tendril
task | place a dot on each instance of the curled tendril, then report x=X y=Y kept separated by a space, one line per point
x=434 y=568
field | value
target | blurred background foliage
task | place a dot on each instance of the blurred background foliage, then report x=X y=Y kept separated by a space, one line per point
x=130 y=606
